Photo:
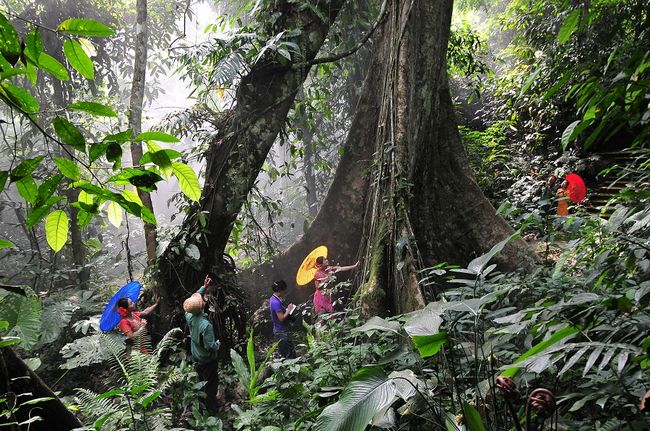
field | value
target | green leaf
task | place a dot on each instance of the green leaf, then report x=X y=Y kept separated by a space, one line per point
x=132 y=196
x=37 y=214
x=568 y=135
x=4 y=243
x=9 y=341
x=97 y=150
x=161 y=159
x=85 y=27
x=25 y=168
x=93 y=108
x=52 y=65
x=540 y=347
x=69 y=134
x=4 y=175
x=143 y=179
x=429 y=345
x=47 y=188
x=368 y=393
x=9 y=40
x=171 y=154
x=147 y=216
x=56 y=229
x=115 y=214
x=114 y=154
x=78 y=58
x=187 y=180
x=477 y=265
x=68 y=168
x=472 y=418
x=156 y=136
x=28 y=189
x=376 y=323
x=569 y=26
x=33 y=45
x=16 y=96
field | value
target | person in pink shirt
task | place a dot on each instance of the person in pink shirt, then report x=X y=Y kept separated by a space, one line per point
x=323 y=277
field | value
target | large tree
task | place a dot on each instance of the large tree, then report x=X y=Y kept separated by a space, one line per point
x=424 y=205
x=237 y=153
x=417 y=200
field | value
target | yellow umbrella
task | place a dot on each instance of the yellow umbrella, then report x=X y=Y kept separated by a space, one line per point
x=308 y=266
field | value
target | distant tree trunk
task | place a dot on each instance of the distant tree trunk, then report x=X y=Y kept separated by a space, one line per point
x=135 y=115
x=235 y=157
x=76 y=235
x=17 y=380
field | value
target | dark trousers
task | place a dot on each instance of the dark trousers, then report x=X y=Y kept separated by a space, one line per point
x=285 y=348
x=209 y=373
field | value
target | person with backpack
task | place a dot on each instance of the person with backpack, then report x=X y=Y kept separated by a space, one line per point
x=204 y=345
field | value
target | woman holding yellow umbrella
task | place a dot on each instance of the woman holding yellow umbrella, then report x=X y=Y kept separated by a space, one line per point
x=316 y=267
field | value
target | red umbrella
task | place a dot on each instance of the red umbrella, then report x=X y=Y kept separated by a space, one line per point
x=576 y=189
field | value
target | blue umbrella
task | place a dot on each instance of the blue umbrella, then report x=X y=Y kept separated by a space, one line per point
x=111 y=317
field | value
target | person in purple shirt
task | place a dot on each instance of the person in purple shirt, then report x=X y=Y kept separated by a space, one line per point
x=280 y=317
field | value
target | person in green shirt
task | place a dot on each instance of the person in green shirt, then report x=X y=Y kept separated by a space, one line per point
x=204 y=345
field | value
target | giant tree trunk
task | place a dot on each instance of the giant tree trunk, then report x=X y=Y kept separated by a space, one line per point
x=236 y=155
x=135 y=116
x=425 y=206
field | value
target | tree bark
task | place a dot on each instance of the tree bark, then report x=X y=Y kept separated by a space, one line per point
x=135 y=116
x=18 y=379
x=427 y=207
x=235 y=157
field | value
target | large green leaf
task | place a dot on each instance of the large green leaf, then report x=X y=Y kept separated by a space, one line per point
x=540 y=347
x=33 y=45
x=85 y=27
x=69 y=134
x=376 y=323
x=188 y=181
x=171 y=154
x=78 y=58
x=568 y=135
x=25 y=168
x=56 y=229
x=47 y=189
x=93 y=108
x=68 y=168
x=472 y=418
x=52 y=65
x=28 y=189
x=4 y=243
x=9 y=40
x=477 y=265
x=569 y=26
x=115 y=213
x=24 y=316
x=368 y=393
x=156 y=136
x=19 y=98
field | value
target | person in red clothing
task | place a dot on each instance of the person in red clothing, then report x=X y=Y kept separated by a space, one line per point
x=132 y=324
x=322 y=301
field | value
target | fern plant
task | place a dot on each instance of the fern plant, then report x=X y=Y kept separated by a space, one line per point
x=135 y=402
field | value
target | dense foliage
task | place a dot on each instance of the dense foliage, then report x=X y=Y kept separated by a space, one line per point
x=542 y=87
